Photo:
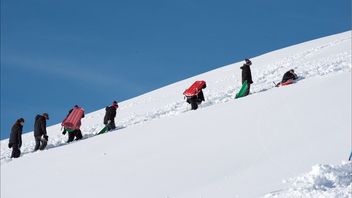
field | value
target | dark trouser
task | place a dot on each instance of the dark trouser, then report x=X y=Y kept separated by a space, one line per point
x=193 y=100
x=40 y=143
x=16 y=152
x=248 y=90
x=76 y=133
x=79 y=134
x=111 y=125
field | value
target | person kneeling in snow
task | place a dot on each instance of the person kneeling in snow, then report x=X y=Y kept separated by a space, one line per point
x=110 y=114
x=290 y=75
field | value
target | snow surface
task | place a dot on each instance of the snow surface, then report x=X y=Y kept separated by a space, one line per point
x=227 y=148
x=321 y=181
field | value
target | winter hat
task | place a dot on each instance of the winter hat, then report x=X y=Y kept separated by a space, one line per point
x=115 y=104
x=20 y=120
x=76 y=106
x=248 y=62
x=46 y=115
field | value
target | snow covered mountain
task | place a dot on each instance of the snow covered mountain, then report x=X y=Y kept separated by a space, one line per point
x=227 y=148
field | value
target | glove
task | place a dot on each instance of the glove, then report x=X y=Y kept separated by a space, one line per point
x=10 y=145
x=64 y=132
x=46 y=137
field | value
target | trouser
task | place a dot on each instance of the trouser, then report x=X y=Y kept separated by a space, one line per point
x=40 y=143
x=111 y=125
x=194 y=102
x=16 y=152
x=248 y=90
x=76 y=133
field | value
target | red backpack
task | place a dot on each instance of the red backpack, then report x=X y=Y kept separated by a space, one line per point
x=73 y=121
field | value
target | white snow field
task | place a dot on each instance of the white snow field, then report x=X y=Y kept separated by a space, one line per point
x=227 y=148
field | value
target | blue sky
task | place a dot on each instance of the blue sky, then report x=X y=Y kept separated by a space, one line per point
x=55 y=54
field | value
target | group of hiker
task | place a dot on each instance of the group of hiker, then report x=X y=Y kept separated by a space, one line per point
x=73 y=129
x=289 y=77
x=72 y=122
x=194 y=94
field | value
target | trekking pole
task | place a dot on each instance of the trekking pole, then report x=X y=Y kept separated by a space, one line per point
x=349 y=159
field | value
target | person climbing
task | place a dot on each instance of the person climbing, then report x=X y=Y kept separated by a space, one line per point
x=15 y=141
x=110 y=114
x=247 y=75
x=289 y=75
x=40 y=134
x=194 y=94
x=73 y=131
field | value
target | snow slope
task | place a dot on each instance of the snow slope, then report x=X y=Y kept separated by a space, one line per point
x=227 y=148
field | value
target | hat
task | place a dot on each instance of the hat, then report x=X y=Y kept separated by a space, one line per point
x=248 y=62
x=76 y=106
x=20 y=120
x=46 y=115
x=115 y=104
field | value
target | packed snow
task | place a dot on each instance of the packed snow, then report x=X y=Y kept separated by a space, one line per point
x=227 y=148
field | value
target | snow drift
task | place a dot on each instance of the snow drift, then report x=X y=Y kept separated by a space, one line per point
x=322 y=181
x=227 y=148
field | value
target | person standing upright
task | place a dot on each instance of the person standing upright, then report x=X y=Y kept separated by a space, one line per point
x=40 y=134
x=110 y=114
x=247 y=75
x=15 y=141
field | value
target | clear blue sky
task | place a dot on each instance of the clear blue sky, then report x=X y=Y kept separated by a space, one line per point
x=55 y=54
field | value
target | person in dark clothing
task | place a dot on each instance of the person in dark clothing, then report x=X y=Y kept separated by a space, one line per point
x=40 y=134
x=76 y=133
x=110 y=114
x=15 y=141
x=290 y=75
x=197 y=99
x=247 y=75
x=200 y=97
x=73 y=133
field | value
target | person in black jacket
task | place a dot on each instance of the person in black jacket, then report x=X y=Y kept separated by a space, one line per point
x=75 y=133
x=290 y=75
x=15 y=141
x=110 y=114
x=247 y=75
x=40 y=134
